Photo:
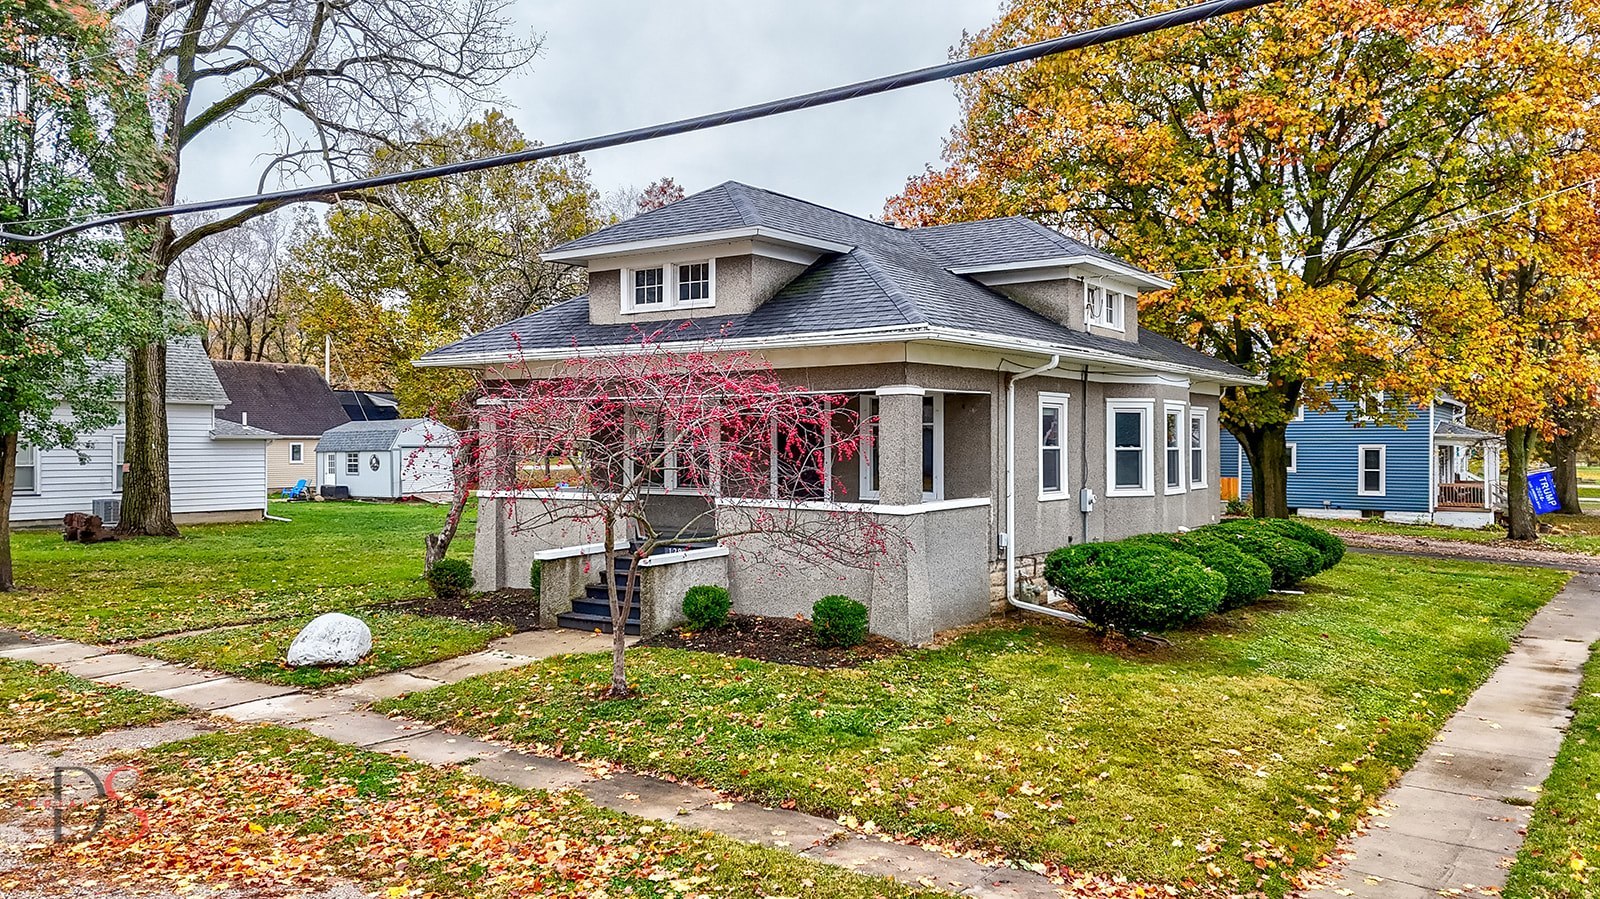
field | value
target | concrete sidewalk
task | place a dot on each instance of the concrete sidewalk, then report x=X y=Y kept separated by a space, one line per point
x=339 y=715
x=1447 y=824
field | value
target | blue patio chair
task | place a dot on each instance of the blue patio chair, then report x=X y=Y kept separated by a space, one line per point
x=298 y=491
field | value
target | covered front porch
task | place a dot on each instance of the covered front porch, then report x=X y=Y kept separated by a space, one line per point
x=1467 y=487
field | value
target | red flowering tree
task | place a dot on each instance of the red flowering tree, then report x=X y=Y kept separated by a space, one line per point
x=588 y=442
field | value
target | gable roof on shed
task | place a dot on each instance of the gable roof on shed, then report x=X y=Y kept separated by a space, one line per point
x=291 y=400
x=371 y=436
x=881 y=283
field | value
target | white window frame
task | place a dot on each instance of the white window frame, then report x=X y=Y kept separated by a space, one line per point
x=1197 y=473
x=31 y=454
x=1383 y=469
x=1059 y=402
x=1106 y=313
x=119 y=456
x=869 y=431
x=297 y=449
x=1173 y=414
x=669 y=287
x=352 y=460
x=1300 y=412
x=1147 y=412
x=1293 y=450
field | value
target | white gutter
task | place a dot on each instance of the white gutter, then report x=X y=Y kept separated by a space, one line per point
x=892 y=334
x=1011 y=472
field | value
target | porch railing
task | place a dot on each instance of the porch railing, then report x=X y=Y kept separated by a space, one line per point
x=1462 y=494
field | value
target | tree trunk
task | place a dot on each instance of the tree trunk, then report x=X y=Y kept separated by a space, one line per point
x=8 y=487
x=1564 y=458
x=619 y=614
x=1269 y=470
x=147 y=485
x=1521 y=524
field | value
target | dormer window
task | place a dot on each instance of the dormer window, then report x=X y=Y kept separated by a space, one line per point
x=1102 y=306
x=681 y=285
x=648 y=286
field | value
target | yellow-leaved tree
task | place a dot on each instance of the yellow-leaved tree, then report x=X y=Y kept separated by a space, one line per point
x=1294 y=169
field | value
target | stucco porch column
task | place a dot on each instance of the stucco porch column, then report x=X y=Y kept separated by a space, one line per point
x=899 y=437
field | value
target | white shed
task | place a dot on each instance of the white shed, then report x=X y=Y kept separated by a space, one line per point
x=387 y=459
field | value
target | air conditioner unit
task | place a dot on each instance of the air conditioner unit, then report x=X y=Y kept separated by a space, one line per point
x=109 y=510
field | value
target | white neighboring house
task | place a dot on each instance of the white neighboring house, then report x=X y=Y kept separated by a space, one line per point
x=218 y=468
x=387 y=459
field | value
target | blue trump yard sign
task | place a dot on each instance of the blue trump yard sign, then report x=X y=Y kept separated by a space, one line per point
x=1542 y=491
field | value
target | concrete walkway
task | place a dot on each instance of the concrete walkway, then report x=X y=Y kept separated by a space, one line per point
x=340 y=715
x=1447 y=825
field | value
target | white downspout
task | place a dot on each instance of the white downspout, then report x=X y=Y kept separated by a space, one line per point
x=1011 y=472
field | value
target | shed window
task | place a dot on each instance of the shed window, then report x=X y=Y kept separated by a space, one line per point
x=27 y=469
x=1374 y=470
x=1052 y=461
x=352 y=463
x=1128 y=440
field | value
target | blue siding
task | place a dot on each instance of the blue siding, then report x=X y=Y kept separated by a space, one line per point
x=1327 y=470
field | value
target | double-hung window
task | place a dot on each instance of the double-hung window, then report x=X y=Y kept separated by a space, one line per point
x=1052 y=443
x=1197 y=447
x=1130 y=461
x=1103 y=306
x=1374 y=475
x=352 y=463
x=680 y=285
x=27 y=469
x=1173 y=458
x=119 y=455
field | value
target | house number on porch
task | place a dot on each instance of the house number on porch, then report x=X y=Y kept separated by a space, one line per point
x=373 y=462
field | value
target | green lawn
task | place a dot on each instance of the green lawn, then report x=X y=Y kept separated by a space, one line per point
x=256 y=651
x=1561 y=858
x=331 y=557
x=222 y=810
x=1572 y=533
x=1242 y=752
x=43 y=703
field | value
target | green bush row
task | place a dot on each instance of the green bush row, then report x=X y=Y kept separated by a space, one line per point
x=836 y=621
x=1156 y=582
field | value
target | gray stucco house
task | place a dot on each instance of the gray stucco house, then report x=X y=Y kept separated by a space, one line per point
x=1005 y=356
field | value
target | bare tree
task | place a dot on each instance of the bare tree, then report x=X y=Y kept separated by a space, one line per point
x=231 y=284
x=332 y=80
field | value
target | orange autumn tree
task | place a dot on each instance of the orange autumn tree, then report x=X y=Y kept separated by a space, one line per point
x=1287 y=167
x=1518 y=337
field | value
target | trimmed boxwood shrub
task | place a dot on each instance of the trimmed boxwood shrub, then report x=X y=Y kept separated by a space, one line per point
x=839 y=621
x=1290 y=560
x=1135 y=587
x=706 y=607
x=1249 y=578
x=450 y=578
x=1328 y=545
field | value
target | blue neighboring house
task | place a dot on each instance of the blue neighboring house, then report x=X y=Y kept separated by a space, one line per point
x=1433 y=468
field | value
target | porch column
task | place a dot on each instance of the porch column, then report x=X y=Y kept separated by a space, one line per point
x=1491 y=474
x=489 y=543
x=900 y=444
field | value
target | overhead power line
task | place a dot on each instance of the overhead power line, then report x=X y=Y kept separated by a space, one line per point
x=1283 y=261
x=1104 y=35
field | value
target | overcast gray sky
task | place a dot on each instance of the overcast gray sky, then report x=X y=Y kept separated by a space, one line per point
x=609 y=65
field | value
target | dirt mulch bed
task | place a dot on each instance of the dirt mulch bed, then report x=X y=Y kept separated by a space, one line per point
x=518 y=608
x=787 y=641
x=1509 y=551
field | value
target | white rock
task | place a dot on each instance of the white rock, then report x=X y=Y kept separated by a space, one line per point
x=331 y=639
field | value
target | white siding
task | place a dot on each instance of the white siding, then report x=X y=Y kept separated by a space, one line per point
x=207 y=475
x=380 y=484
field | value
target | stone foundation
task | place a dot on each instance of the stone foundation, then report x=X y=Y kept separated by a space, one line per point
x=1030 y=573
